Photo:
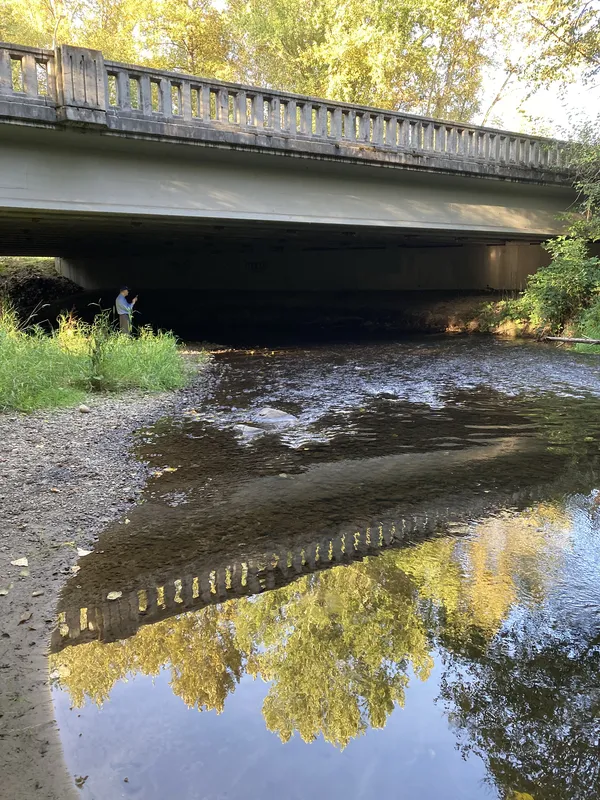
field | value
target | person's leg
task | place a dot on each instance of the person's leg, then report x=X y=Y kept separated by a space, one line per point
x=124 y=323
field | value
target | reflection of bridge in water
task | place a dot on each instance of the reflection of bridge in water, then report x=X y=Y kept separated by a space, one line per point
x=85 y=613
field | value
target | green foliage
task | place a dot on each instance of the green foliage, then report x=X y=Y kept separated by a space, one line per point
x=557 y=293
x=588 y=326
x=39 y=370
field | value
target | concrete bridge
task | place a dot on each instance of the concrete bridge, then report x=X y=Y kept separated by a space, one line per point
x=160 y=177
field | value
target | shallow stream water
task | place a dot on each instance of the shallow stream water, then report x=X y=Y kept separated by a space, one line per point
x=394 y=591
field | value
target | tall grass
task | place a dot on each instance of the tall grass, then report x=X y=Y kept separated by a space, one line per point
x=39 y=369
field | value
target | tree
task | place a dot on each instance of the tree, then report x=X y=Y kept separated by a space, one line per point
x=190 y=35
x=409 y=55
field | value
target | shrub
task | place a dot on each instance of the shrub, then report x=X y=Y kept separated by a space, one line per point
x=557 y=293
x=588 y=326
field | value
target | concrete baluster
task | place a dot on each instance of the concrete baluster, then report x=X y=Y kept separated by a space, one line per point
x=451 y=140
x=378 y=129
x=241 y=109
x=221 y=583
x=276 y=113
x=364 y=126
x=5 y=72
x=253 y=583
x=72 y=620
x=291 y=114
x=306 y=119
x=145 y=96
x=258 y=111
x=350 y=125
x=204 y=102
x=404 y=138
x=186 y=101
x=310 y=557
x=392 y=130
x=123 y=99
x=338 y=549
x=151 y=600
x=187 y=590
x=164 y=94
x=92 y=618
x=512 y=150
x=416 y=135
x=29 y=72
x=133 y=609
x=297 y=562
x=336 y=123
x=269 y=579
x=223 y=105
x=321 y=122
x=204 y=585
x=428 y=139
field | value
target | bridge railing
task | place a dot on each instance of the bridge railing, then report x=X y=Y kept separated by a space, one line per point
x=76 y=85
x=174 y=97
x=27 y=79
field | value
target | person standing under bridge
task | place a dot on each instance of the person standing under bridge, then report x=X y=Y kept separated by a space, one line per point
x=125 y=310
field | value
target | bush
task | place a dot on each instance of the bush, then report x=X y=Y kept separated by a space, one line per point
x=588 y=326
x=38 y=369
x=559 y=292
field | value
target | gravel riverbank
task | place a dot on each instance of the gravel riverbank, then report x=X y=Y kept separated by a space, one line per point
x=64 y=475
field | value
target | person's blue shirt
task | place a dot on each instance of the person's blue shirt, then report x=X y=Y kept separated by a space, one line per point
x=123 y=307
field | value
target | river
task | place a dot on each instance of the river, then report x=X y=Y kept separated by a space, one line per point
x=391 y=590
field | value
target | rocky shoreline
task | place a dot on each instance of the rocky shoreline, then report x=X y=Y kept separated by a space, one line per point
x=64 y=475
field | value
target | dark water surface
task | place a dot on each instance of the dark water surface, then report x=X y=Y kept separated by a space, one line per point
x=393 y=593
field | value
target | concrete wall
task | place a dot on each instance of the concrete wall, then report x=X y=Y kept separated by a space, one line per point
x=460 y=268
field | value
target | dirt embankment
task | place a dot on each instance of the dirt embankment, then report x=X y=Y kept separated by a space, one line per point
x=63 y=477
x=33 y=283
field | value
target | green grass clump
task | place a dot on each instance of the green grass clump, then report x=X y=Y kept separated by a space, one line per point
x=46 y=370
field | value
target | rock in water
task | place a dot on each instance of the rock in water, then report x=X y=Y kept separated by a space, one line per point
x=275 y=415
x=248 y=430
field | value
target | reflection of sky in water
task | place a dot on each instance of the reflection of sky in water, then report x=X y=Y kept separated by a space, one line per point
x=166 y=750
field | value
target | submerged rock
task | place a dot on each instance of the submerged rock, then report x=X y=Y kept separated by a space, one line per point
x=275 y=415
x=248 y=430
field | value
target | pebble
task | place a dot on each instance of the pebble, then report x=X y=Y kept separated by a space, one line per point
x=84 y=409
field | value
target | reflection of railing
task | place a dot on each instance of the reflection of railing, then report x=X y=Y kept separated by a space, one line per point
x=121 y=618
x=195 y=586
x=76 y=85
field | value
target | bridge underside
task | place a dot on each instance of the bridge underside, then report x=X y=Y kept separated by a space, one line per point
x=239 y=233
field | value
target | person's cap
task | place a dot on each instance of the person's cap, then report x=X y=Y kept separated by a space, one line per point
x=123 y=288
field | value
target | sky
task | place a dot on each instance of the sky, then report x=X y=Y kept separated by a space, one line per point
x=551 y=112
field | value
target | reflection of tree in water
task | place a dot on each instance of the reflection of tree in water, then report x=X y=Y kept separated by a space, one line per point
x=337 y=647
x=530 y=707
